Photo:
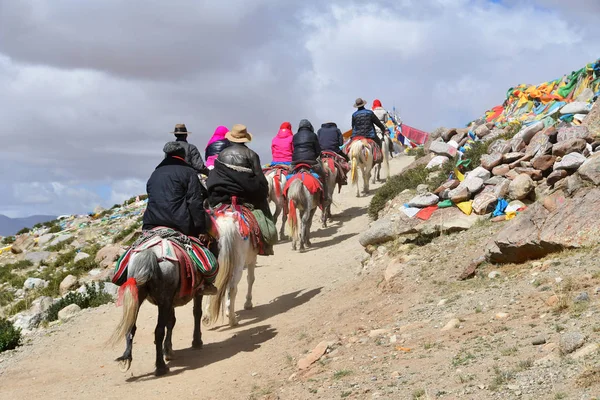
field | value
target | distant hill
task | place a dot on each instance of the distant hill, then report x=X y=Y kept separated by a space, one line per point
x=10 y=226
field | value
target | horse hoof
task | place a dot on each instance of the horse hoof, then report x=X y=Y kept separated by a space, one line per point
x=233 y=322
x=197 y=344
x=169 y=355
x=124 y=365
x=161 y=371
x=248 y=306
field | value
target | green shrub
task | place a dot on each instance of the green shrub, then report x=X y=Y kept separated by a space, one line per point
x=64 y=259
x=396 y=184
x=8 y=240
x=7 y=273
x=93 y=298
x=55 y=229
x=50 y=224
x=6 y=297
x=24 y=230
x=61 y=245
x=477 y=150
x=10 y=337
x=126 y=232
x=418 y=152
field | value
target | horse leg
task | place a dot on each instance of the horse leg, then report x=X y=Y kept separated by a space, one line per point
x=284 y=217
x=126 y=358
x=250 y=272
x=168 y=345
x=309 y=226
x=231 y=294
x=164 y=316
x=197 y=341
x=366 y=177
x=304 y=243
x=277 y=212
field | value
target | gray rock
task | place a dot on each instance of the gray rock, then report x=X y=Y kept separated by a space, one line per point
x=68 y=312
x=111 y=289
x=502 y=189
x=60 y=239
x=512 y=157
x=520 y=187
x=576 y=107
x=422 y=189
x=386 y=229
x=570 y=162
x=437 y=161
x=36 y=257
x=424 y=200
x=528 y=132
x=582 y=297
x=26 y=321
x=573 y=132
x=67 y=284
x=438 y=132
x=574 y=145
x=81 y=256
x=499 y=146
x=571 y=341
x=479 y=172
x=35 y=283
x=574 y=183
x=539 y=144
x=443 y=149
x=489 y=161
x=460 y=194
x=41 y=305
x=590 y=169
x=473 y=184
x=42 y=240
x=556 y=176
x=484 y=203
x=539 y=340
x=482 y=131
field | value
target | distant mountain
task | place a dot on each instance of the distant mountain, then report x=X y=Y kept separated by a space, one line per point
x=10 y=226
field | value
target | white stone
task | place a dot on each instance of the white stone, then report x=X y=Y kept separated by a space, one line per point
x=81 y=256
x=68 y=312
x=35 y=283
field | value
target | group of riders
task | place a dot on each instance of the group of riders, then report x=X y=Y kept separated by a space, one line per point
x=177 y=198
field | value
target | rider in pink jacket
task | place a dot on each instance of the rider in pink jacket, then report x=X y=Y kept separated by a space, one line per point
x=282 y=147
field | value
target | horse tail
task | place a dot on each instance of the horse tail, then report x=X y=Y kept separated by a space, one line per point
x=271 y=186
x=355 y=153
x=386 y=156
x=141 y=269
x=296 y=198
x=228 y=259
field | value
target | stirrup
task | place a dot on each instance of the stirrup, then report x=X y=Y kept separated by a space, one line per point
x=208 y=290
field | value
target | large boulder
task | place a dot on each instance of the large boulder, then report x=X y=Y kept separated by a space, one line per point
x=482 y=131
x=556 y=176
x=108 y=255
x=60 y=239
x=502 y=189
x=45 y=239
x=443 y=149
x=500 y=170
x=479 y=172
x=35 y=283
x=539 y=144
x=484 y=202
x=489 y=161
x=535 y=174
x=68 y=312
x=448 y=185
x=67 y=284
x=424 y=200
x=576 y=107
x=36 y=257
x=386 y=229
x=26 y=321
x=573 y=132
x=590 y=169
x=500 y=146
x=592 y=122
x=538 y=232
x=474 y=183
x=81 y=256
x=437 y=161
x=512 y=157
x=528 y=132
x=570 y=162
x=460 y=194
x=520 y=187
x=574 y=145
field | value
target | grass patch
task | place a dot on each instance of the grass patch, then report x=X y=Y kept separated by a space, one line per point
x=395 y=185
x=419 y=393
x=417 y=152
x=8 y=275
x=509 y=351
x=341 y=373
x=61 y=245
x=126 y=232
x=462 y=358
x=8 y=240
x=55 y=229
x=94 y=297
x=501 y=377
x=10 y=337
x=23 y=231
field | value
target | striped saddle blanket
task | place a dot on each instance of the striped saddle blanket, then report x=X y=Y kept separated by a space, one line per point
x=280 y=171
x=246 y=221
x=375 y=149
x=196 y=262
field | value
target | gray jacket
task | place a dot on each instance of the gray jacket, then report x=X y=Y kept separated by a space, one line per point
x=193 y=157
x=383 y=116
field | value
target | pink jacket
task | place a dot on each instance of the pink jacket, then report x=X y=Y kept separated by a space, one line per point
x=282 y=147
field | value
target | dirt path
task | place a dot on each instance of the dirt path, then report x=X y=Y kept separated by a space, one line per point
x=71 y=362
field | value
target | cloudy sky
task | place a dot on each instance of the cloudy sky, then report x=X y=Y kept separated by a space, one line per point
x=89 y=90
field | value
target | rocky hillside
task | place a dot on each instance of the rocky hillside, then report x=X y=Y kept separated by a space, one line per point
x=64 y=264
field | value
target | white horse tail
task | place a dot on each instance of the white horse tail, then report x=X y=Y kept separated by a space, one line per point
x=355 y=154
x=271 y=183
x=296 y=199
x=386 y=156
x=141 y=269
x=228 y=259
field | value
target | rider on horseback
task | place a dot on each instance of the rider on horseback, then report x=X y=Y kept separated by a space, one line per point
x=384 y=117
x=307 y=151
x=215 y=145
x=176 y=197
x=331 y=139
x=192 y=155
x=282 y=146
x=364 y=122
x=238 y=174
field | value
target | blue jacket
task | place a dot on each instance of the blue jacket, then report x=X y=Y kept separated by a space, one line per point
x=330 y=137
x=363 y=123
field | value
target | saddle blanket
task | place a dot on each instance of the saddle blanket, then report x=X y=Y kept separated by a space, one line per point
x=377 y=153
x=280 y=170
x=196 y=262
x=310 y=179
x=247 y=223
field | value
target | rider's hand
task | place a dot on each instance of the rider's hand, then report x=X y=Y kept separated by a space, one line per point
x=204 y=238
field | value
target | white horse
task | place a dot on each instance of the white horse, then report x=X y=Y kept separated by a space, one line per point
x=235 y=254
x=362 y=155
x=276 y=197
x=303 y=202
x=331 y=174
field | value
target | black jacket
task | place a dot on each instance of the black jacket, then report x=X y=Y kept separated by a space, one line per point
x=364 y=122
x=330 y=137
x=215 y=148
x=306 y=143
x=175 y=198
x=193 y=157
x=224 y=182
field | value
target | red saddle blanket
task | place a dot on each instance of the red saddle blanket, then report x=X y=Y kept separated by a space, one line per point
x=246 y=222
x=375 y=149
x=280 y=170
x=195 y=261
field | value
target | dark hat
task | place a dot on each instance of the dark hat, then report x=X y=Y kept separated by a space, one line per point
x=359 y=103
x=174 y=149
x=180 y=129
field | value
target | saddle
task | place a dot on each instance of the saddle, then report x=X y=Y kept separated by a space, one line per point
x=246 y=222
x=196 y=262
x=309 y=178
x=375 y=149
x=334 y=160
x=280 y=169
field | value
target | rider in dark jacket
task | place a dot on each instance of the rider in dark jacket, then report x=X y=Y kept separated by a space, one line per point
x=192 y=155
x=175 y=195
x=364 y=122
x=308 y=151
x=331 y=139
